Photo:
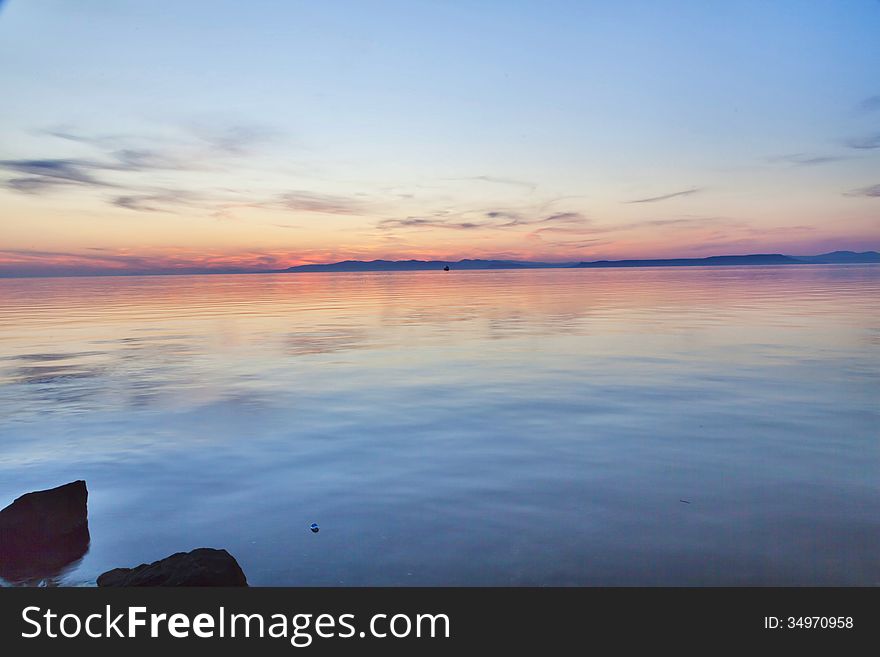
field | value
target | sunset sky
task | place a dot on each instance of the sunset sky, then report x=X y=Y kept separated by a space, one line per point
x=150 y=136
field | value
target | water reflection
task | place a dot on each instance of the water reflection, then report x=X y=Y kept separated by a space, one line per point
x=326 y=341
x=499 y=427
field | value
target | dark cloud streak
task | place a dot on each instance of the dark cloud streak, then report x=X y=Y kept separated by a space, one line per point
x=151 y=202
x=493 y=220
x=870 y=104
x=664 y=197
x=867 y=142
x=43 y=174
x=872 y=191
x=807 y=159
x=201 y=150
x=304 y=201
x=500 y=181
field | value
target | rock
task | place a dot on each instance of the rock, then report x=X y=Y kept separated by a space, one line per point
x=43 y=532
x=201 y=567
x=46 y=514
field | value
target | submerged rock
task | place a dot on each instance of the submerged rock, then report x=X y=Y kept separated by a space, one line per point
x=201 y=567
x=43 y=532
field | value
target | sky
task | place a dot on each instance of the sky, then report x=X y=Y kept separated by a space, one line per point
x=214 y=135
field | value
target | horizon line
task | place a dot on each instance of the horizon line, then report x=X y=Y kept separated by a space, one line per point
x=221 y=270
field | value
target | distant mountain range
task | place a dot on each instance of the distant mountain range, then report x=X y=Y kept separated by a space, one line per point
x=841 y=257
x=418 y=265
x=755 y=259
x=836 y=257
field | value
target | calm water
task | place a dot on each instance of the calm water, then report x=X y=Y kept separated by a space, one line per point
x=469 y=428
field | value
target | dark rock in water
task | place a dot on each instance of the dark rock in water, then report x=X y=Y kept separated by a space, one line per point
x=314 y=527
x=43 y=532
x=46 y=514
x=201 y=567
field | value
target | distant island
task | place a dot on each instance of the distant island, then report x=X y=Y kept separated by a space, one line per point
x=836 y=257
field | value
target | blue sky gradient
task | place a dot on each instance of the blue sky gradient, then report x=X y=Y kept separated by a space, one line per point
x=266 y=133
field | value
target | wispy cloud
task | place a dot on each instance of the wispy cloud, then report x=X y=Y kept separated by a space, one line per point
x=296 y=201
x=496 y=180
x=70 y=133
x=237 y=139
x=43 y=175
x=492 y=220
x=664 y=197
x=870 y=104
x=121 y=163
x=866 y=142
x=563 y=217
x=426 y=222
x=872 y=191
x=154 y=202
x=40 y=175
x=304 y=201
x=203 y=136
x=118 y=160
x=806 y=159
x=600 y=229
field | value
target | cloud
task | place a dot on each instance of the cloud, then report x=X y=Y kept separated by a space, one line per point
x=296 y=201
x=425 y=222
x=817 y=159
x=502 y=214
x=870 y=104
x=704 y=231
x=500 y=181
x=579 y=244
x=44 y=174
x=865 y=143
x=304 y=201
x=491 y=220
x=654 y=199
x=589 y=230
x=563 y=217
x=513 y=219
x=124 y=163
x=34 y=185
x=151 y=202
x=233 y=139
x=199 y=148
x=206 y=135
x=872 y=191
x=807 y=159
x=132 y=159
x=70 y=133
